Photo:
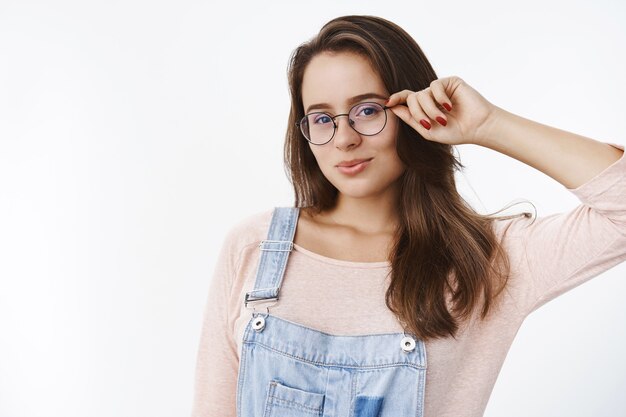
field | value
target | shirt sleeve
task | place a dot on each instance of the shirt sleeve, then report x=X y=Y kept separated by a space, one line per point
x=217 y=361
x=564 y=250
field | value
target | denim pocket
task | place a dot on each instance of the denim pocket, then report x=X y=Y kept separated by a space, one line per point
x=284 y=401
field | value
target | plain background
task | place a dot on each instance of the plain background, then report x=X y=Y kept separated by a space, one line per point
x=134 y=134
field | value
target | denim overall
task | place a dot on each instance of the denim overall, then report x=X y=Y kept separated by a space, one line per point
x=290 y=370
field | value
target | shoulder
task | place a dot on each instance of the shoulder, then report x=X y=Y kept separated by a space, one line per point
x=247 y=231
x=507 y=226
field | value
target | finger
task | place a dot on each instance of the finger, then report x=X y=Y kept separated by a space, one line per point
x=398 y=98
x=427 y=101
x=439 y=93
x=416 y=110
x=405 y=115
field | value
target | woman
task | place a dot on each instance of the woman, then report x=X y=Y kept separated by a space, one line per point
x=396 y=297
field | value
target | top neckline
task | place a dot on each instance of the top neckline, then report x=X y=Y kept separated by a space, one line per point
x=341 y=262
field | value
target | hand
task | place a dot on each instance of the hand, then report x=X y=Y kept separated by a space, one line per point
x=469 y=120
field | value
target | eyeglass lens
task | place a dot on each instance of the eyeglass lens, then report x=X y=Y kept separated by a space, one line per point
x=366 y=118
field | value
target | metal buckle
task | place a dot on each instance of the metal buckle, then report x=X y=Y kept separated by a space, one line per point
x=276 y=241
x=258 y=300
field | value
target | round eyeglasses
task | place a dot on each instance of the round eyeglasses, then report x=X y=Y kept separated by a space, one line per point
x=366 y=119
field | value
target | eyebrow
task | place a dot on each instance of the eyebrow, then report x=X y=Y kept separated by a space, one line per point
x=350 y=101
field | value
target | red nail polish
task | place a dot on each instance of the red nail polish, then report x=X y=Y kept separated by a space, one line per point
x=425 y=124
x=447 y=106
x=441 y=120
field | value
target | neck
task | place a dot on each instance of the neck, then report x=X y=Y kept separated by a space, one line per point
x=374 y=214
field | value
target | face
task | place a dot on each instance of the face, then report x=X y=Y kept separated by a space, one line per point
x=334 y=79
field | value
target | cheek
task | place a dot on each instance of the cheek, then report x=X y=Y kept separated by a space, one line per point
x=389 y=145
x=316 y=154
x=392 y=158
x=321 y=157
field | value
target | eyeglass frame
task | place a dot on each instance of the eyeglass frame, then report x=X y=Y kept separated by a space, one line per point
x=335 y=124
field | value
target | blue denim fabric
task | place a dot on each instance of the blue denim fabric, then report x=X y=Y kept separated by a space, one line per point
x=290 y=370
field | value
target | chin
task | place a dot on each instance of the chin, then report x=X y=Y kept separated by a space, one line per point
x=364 y=189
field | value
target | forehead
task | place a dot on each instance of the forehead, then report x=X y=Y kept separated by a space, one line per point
x=333 y=78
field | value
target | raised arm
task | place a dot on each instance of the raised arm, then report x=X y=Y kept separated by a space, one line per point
x=569 y=158
x=559 y=251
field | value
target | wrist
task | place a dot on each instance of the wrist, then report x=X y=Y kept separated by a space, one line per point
x=491 y=129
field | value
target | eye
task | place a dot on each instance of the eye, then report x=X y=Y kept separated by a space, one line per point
x=366 y=110
x=369 y=110
x=323 y=118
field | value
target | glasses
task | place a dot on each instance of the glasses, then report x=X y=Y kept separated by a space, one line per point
x=365 y=118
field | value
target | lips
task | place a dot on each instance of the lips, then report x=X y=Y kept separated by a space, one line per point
x=359 y=166
x=353 y=162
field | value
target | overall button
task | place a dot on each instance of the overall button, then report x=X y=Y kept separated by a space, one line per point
x=407 y=343
x=258 y=323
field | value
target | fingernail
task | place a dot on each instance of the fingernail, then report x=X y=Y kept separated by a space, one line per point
x=425 y=124
x=441 y=120
x=447 y=106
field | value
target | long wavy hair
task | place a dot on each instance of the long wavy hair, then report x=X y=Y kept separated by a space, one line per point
x=442 y=247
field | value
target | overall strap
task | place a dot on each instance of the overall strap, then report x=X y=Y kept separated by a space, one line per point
x=274 y=254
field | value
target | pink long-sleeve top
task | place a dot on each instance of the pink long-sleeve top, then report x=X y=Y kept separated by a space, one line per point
x=548 y=257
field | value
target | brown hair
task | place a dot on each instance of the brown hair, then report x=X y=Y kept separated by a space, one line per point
x=440 y=236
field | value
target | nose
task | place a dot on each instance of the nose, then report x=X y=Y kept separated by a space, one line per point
x=345 y=136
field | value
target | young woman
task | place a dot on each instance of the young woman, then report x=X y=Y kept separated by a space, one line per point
x=382 y=292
